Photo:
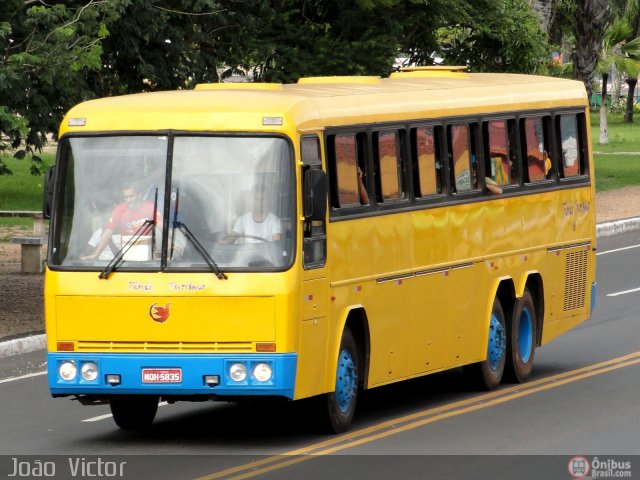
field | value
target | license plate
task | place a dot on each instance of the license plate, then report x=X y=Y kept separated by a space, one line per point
x=161 y=375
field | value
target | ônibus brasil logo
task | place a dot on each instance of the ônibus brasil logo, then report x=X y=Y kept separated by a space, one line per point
x=579 y=467
x=159 y=314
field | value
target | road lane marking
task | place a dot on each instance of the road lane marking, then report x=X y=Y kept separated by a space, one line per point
x=409 y=422
x=108 y=415
x=98 y=418
x=29 y=375
x=617 y=250
x=624 y=292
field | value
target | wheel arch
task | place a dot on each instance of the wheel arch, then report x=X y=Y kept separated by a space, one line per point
x=535 y=286
x=504 y=290
x=355 y=319
x=506 y=293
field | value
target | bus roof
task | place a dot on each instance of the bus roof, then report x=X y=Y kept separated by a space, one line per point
x=319 y=102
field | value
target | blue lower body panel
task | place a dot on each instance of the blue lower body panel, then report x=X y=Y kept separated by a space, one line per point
x=173 y=374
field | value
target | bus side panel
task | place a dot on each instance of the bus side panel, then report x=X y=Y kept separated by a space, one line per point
x=314 y=333
x=574 y=264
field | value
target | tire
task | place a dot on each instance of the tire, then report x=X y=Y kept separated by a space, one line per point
x=135 y=412
x=521 y=334
x=486 y=375
x=339 y=406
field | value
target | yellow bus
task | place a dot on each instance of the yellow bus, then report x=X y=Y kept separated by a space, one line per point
x=315 y=239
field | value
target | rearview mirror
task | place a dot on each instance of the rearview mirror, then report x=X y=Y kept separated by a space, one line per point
x=47 y=193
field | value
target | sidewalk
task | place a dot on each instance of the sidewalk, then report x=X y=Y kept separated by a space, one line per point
x=617 y=211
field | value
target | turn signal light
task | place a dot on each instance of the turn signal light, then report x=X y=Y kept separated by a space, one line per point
x=66 y=346
x=265 y=347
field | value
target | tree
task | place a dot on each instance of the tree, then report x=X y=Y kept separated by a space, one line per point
x=45 y=52
x=496 y=36
x=296 y=38
x=624 y=56
x=592 y=17
x=632 y=15
x=544 y=9
x=54 y=55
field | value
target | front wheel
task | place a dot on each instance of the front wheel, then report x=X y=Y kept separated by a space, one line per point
x=521 y=334
x=488 y=374
x=339 y=405
x=134 y=413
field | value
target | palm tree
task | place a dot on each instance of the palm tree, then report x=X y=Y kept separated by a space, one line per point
x=544 y=9
x=591 y=19
x=619 y=53
x=632 y=13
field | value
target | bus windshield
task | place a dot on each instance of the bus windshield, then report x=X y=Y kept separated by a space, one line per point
x=229 y=201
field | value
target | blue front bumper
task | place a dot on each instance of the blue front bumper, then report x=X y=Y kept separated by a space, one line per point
x=193 y=369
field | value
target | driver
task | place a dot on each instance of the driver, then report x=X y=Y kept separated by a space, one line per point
x=258 y=225
x=126 y=218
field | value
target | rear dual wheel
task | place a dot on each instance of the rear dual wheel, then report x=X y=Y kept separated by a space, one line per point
x=521 y=334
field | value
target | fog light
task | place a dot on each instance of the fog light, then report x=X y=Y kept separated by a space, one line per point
x=211 y=380
x=262 y=372
x=113 y=379
x=238 y=372
x=68 y=370
x=89 y=371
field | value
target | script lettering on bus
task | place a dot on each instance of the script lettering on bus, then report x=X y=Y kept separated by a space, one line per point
x=574 y=210
x=186 y=287
x=138 y=286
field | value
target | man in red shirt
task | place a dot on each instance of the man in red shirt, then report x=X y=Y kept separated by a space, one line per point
x=126 y=219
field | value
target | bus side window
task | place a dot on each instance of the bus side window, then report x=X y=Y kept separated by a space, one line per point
x=500 y=156
x=427 y=161
x=349 y=177
x=570 y=146
x=386 y=147
x=536 y=149
x=314 y=236
x=463 y=158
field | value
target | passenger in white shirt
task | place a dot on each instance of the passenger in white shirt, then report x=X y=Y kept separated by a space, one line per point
x=256 y=226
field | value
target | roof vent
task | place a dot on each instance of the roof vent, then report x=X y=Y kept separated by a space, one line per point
x=339 y=79
x=239 y=86
x=435 y=71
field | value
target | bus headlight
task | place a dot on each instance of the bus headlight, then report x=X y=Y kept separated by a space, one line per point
x=68 y=370
x=238 y=372
x=262 y=372
x=89 y=371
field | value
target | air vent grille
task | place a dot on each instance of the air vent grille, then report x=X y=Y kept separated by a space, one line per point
x=575 y=280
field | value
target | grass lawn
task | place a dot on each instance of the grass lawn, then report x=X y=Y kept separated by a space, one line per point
x=22 y=191
x=616 y=165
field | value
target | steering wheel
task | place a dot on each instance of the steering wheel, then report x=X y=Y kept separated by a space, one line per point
x=254 y=237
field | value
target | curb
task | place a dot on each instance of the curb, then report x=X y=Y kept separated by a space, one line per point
x=18 y=346
x=619 y=226
x=33 y=343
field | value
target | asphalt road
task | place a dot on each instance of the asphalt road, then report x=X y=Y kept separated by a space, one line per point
x=582 y=399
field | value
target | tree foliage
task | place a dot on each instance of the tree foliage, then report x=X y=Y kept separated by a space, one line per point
x=54 y=55
x=495 y=36
x=45 y=55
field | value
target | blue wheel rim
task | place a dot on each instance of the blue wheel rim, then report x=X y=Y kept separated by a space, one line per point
x=525 y=335
x=497 y=343
x=346 y=381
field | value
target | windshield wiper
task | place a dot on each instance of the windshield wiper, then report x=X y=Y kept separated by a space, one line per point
x=199 y=248
x=119 y=257
x=142 y=230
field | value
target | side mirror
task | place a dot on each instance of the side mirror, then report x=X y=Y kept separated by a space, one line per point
x=315 y=194
x=47 y=194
